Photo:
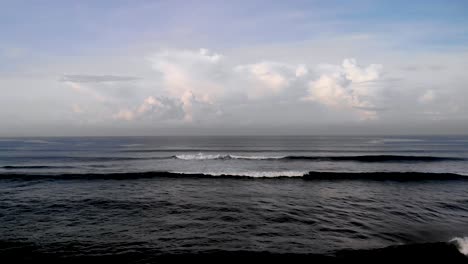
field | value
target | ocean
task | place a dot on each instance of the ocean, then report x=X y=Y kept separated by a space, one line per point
x=134 y=199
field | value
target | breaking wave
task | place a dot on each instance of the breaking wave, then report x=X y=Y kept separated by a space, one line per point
x=362 y=158
x=201 y=156
x=462 y=244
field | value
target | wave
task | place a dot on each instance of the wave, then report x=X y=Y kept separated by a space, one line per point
x=462 y=244
x=250 y=174
x=375 y=158
x=311 y=175
x=32 y=141
x=79 y=158
x=435 y=252
x=384 y=176
x=220 y=157
x=361 y=158
x=201 y=156
x=279 y=150
x=128 y=252
x=395 y=140
x=35 y=167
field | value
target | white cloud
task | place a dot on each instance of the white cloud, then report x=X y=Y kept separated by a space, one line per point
x=268 y=78
x=192 y=85
x=148 y=104
x=301 y=70
x=344 y=87
x=190 y=76
x=359 y=74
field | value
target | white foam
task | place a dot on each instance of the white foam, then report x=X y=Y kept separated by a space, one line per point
x=253 y=174
x=201 y=156
x=255 y=157
x=390 y=140
x=462 y=244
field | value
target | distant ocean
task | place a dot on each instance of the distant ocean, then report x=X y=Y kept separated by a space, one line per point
x=134 y=199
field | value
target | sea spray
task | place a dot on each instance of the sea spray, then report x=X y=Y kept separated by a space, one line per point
x=462 y=244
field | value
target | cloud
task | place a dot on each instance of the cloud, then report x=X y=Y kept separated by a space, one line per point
x=268 y=78
x=96 y=78
x=427 y=97
x=345 y=87
x=205 y=81
x=125 y=114
x=199 y=85
x=153 y=108
x=358 y=74
x=301 y=70
x=191 y=76
x=148 y=104
x=161 y=108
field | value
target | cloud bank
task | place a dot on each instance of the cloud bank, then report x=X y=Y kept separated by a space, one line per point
x=199 y=85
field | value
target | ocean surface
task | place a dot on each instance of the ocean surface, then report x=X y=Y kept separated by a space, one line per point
x=143 y=197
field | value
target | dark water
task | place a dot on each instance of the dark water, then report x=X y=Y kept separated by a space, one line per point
x=152 y=196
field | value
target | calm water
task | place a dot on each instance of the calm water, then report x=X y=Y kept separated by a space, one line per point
x=61 y=194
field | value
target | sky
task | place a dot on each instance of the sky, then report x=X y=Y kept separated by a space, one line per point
x=201 y=67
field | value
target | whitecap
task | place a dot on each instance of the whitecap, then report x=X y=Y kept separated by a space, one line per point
x=394 y=140
x=252 y=174
x=201 y=156
x=462 y=244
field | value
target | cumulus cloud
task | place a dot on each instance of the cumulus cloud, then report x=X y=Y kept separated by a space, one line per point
x=148 y=104
x=301 y=70
x=358 y=74
x=191 y=76
x=344 y=87
x=269 y=78
x=162 y=108
x=198 y=85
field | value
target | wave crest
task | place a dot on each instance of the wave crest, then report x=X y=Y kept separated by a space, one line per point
x=462 y=244
x=252 y=174
x=360 y=158
x=201 y=156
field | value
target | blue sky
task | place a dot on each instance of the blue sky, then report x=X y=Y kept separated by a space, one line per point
x=63 y=27
x=136 y=67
